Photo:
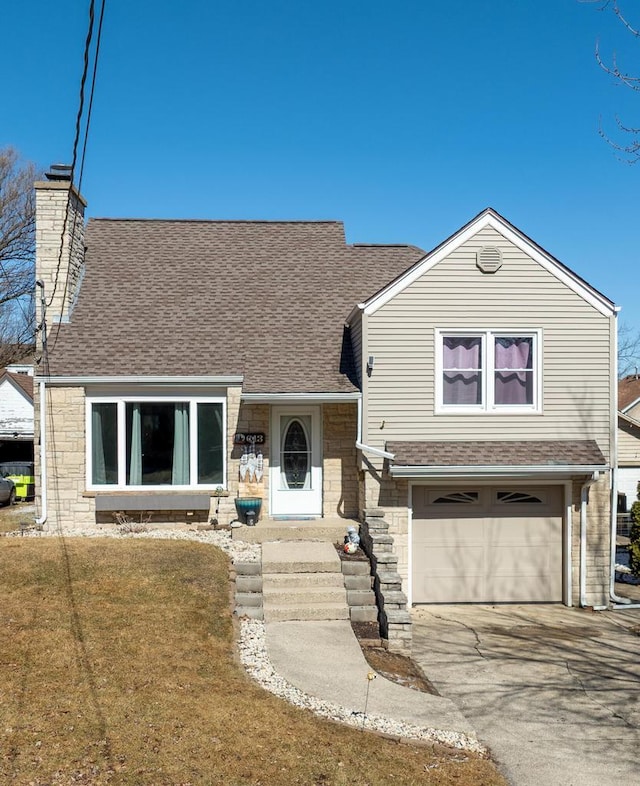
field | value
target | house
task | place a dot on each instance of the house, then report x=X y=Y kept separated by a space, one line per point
x=628 y=441
x=16 y=413
x=465 y=394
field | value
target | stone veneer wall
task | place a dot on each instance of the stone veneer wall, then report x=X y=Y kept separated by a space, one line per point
x=391 y=496
x=67 y=504
x=245 y=418
x=598 y=543
x=340 y=470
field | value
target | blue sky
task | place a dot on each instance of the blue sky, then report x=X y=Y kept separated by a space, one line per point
x=403 y=118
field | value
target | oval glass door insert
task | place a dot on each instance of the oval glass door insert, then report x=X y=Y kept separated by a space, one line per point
x=295 y=456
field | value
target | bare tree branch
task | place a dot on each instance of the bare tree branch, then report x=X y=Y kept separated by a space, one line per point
x=628 y=350
x=630 y=152
x=17 y=253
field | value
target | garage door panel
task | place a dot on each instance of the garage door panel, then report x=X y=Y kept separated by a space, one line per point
x=501 y=551
x=449 y=532
x=444 y=561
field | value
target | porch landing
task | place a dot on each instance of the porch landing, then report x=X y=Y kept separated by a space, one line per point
x=332 y=530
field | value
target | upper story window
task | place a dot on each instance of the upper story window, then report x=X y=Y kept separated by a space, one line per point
x=146 y=442
x=488 y=371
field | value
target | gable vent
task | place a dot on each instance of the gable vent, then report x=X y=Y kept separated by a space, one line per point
x=489 y=259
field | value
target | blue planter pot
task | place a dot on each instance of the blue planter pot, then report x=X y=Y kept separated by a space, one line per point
x=248 y=509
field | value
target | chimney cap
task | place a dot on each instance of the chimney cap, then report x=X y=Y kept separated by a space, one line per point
x=59 y=172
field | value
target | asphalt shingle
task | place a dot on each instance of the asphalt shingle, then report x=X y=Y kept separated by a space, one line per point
x=265 y=299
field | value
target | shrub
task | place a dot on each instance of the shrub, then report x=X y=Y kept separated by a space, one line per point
x=634 y=537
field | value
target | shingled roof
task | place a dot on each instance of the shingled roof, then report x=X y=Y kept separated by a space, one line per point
x=498 y=453
x=264 y=299
x=628 y=391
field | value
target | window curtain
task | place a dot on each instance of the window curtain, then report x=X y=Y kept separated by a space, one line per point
x=462 y=386
x=514 y=370
x=135 y=455
x=99 y=470
x=180 y=467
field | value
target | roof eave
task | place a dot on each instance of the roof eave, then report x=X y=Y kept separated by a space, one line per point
x=221 y=379
x=507 y=471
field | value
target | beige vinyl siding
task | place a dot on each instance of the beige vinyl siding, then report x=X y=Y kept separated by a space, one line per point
x=454 y=294
x=355 y=330
x=628 y=445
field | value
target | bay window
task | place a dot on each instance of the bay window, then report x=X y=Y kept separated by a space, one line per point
x=488 y=371
x=155 y=442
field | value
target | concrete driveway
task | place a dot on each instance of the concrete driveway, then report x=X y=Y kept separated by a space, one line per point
x=554 y=692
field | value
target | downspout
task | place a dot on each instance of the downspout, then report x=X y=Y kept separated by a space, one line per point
x=619 y=602
x=367 y=448
x=43 y=458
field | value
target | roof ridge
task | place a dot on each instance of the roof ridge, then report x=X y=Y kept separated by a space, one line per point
x=219 y=220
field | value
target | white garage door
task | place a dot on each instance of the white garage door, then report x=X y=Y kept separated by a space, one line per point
x=499 y=544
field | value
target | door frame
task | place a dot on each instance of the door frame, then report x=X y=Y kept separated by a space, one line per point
x=310 y=499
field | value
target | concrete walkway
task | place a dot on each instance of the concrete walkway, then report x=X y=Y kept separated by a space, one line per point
x=324 y=659
x=554 y=692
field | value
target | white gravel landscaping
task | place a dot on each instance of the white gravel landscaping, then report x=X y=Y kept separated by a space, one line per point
x=252 y=643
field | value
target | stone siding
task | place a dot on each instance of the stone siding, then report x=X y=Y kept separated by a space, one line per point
x=339 y=464
x=54 y=201
x=67 y=504
x=598 y=543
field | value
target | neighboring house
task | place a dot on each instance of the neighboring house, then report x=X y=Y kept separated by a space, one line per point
x=16 y=413
x=628 y=441
x=468 y=392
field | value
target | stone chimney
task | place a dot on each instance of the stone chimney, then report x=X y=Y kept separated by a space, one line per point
x=59 y=244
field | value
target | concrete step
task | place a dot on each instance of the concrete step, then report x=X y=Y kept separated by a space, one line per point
x=296 y=580
x=357 y=582
x=300 y=596
x=320 y=611
x=299 y=557
x=361 y=598
x=356 y=568
x=363 y=613
x=331 y=530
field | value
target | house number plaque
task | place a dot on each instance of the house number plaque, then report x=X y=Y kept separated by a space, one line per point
x=249 y=438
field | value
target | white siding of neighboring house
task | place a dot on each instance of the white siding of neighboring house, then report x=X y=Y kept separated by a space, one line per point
x=634 y=412
x=16 y=412
x=454 y=294
x=628 y=461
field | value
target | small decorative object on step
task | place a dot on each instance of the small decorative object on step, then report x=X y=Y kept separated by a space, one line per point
x=350 y=548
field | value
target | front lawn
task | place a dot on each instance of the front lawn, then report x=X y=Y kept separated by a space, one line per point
x=118 y=666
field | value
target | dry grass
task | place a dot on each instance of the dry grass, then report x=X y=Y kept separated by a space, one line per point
x=118 y=667
x=11 y=516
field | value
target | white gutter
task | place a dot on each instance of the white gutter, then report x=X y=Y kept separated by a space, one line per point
x=43 y=457
x=583 y=537
x=299 y=398
x=375 y=451
x=367 y=448
x=493 y=471
x=226 y=379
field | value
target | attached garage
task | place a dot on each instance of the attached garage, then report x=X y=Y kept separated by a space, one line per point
x=487 y=544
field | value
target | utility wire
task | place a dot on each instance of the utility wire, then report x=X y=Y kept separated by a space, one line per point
x=84 y=146
x=85 y=71
x=83 y=154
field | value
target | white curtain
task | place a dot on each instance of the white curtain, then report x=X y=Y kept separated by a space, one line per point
x=180 y=466
x=97 y=446
x=135 y=455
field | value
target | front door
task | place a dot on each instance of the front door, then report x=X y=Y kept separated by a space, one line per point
x=296 y=463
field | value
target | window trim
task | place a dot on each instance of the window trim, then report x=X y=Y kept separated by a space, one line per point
x=488 y=405
x=121 y=401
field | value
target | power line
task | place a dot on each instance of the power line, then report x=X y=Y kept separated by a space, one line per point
x=85 y=71
x=84 y=146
